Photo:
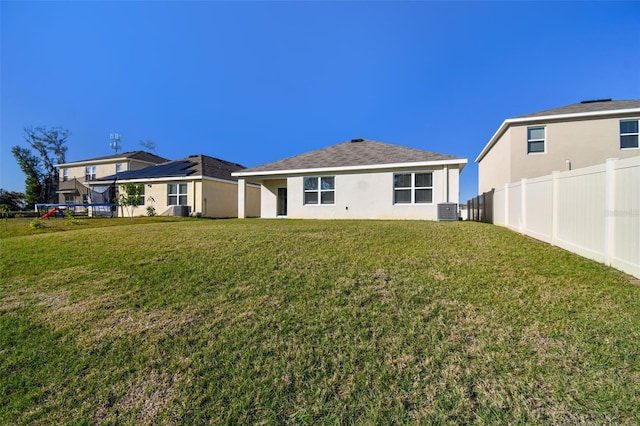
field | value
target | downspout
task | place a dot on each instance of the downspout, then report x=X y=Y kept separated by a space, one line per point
x=446 y=185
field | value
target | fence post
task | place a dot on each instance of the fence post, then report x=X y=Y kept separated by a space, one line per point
x=554 y=207
x=523 y=205
x=506 y=205
x=609 y=210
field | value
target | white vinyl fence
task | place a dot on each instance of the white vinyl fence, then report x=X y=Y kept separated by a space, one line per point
x=594 y=211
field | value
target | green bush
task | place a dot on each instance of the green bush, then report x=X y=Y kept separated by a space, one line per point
x=37 y=224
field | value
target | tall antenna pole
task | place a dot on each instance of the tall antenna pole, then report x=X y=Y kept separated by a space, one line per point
x=115 y=141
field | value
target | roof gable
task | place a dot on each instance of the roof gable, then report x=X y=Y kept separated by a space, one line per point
x=582 y=110
x=357 y=152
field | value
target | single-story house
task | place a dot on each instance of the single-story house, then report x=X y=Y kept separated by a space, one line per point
x=357 y=179
x=560 y=139
x=198 y=185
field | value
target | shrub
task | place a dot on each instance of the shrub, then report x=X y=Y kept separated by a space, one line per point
x=37 y=224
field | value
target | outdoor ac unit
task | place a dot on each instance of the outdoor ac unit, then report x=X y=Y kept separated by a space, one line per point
x=448 y=211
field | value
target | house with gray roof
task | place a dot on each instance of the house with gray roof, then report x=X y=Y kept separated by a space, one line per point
x=198 y=185
x=574 y=136
x=357 y=179
x=76 y=176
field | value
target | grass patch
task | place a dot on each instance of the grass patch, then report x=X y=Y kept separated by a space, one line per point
x=258 y=321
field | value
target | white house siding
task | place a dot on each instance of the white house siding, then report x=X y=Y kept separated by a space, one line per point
x=364 y=195
x=269 y=197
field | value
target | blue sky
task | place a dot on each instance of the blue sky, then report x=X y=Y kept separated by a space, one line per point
x=254 y=82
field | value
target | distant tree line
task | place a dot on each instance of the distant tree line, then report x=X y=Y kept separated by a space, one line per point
x=46 y=149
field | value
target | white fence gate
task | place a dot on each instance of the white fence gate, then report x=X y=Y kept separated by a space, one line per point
x=594 y=211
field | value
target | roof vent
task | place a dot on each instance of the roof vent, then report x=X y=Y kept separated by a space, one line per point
x=357 y=140
x=595 y=100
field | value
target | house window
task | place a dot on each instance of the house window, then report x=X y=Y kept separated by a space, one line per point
x=65 y=175
x=119 y=167
x=90 y=173
x=177 y=194
x=413 y=188
x=69 y=199
x=319 y=190
x=140 y=191
x=535 y=140
x=628 y=134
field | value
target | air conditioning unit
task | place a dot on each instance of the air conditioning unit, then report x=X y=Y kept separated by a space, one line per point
x=447 y=212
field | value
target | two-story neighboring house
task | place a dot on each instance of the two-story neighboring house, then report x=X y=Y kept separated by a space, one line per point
x=75 y=177
x=570 y=137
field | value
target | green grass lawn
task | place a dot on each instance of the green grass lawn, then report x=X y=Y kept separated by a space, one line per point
x=298 y=322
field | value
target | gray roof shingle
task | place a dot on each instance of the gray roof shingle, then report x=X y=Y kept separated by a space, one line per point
x=357 y=152
x=586 y=107
x=134 y=155
x=194 y=165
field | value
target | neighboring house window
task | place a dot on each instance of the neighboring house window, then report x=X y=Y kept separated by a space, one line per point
x=319 y=190
x=65 y=175
x=142 y=194
x=628 y=134
x=69 y=199
x=90 y=173
x=177 y=194
x=413 y=188
x=535 y=140
x=119 y=167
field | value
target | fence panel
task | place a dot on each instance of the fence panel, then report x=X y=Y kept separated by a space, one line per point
x=594 y=211
x=626 y=213
x=581 y=198
x=538 y=208
x=498 y=207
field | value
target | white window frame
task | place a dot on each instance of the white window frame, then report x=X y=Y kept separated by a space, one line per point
x=531 y=140
x=65 y=175
x=178 y=194
x=412 y=188
x=319 y=191
x=142 y=185
x=636 y=134
x=90 y=173
x=119 y=167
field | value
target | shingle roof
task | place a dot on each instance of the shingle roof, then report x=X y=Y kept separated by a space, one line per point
x=195 y=165
x=586 y=107
x=357 y=152
x=134 y=155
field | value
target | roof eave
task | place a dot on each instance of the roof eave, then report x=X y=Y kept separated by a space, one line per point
x=552 y=117
x=103 y=161
x=457 y=161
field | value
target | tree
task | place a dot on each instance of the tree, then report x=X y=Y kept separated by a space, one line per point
x=131 y=197
x=14 y=200
x=41 y=173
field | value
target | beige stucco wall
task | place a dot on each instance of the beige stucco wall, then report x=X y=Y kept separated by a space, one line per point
x=495 y=168
x=104 y=169
x=208 y=198
x=364 y=195
x=582 y=143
